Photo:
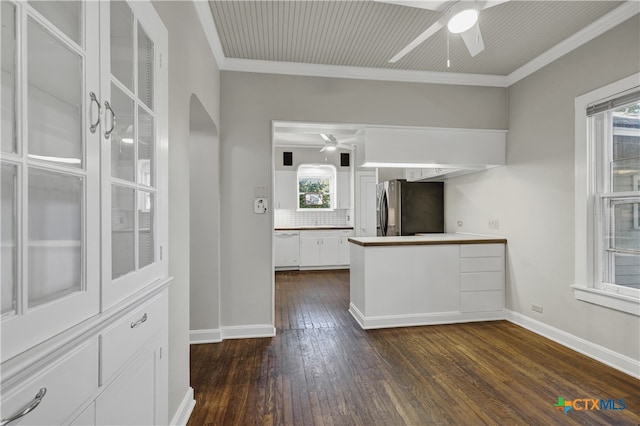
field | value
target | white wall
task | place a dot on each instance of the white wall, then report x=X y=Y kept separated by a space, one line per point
x=533 y=195
x=192 y=70
x=251 y=101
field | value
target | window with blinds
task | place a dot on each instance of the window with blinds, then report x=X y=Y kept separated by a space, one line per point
x=614 y=133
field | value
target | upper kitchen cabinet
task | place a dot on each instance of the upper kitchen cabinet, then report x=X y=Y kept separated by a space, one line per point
x=83 y=126
x=432 y=153
x=343 y=188
x=286 y=190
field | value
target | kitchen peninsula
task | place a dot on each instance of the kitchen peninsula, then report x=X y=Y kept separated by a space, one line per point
x=426 y=279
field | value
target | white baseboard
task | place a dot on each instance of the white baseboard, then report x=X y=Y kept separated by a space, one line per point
x=606 y=356
x=205 y=336
x=217 y=335
x=248 y=331
x=182 y=414
x=388 y=321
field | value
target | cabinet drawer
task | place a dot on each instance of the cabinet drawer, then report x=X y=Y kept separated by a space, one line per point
x=481 y=301
x=70 y=381
x=481 y=264
x=481 y=250
x=128 y=335
x=476 y=281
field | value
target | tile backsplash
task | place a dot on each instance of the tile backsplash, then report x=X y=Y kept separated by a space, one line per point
x=338 y=217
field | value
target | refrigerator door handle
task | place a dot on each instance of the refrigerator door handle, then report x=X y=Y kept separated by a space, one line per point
x=384 y=214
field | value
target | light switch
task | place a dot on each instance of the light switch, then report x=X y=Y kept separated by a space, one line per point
x=260 y=191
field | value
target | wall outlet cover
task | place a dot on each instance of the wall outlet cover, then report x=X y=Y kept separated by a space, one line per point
x=260 y=206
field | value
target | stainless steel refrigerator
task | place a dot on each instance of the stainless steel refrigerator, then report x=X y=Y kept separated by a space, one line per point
x=409 y=208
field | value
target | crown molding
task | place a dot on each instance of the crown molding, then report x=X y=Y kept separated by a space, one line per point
x=588 y=33
x=203 y=10
x=602 y=25
x=318 y=70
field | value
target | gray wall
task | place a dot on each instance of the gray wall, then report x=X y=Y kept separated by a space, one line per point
x=192 y=70
x=251 y=101
x=533 y=196
x=204 y=215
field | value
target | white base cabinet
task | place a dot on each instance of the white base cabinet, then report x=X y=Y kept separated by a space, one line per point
x=116 y=406
x=406 y=285
x=111 y=371
x=324 y=249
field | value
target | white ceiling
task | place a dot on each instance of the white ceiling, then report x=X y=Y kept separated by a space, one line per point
x=355 y=39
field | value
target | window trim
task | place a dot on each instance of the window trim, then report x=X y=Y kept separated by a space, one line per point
x=301 y=173
x=585 y=234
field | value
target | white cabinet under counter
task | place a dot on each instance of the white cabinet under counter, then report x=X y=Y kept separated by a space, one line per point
x=324 y=249
x=424 y=280
x=310 y=248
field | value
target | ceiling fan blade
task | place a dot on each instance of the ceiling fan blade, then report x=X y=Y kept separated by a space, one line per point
x=323 y=149
x=420 y=4
x=415 y=43
x=473 y=40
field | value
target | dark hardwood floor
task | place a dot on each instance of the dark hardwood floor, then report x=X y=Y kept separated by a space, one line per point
x=322 y=369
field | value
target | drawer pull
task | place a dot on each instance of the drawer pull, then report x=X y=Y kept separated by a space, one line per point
x=27 y=408
x=137 y=323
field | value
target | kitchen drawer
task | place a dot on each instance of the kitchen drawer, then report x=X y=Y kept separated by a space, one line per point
x=481 y=301
x=481 y=264
x=477 y=281
x=70 y=382
x=122 y=340
x=481 y=250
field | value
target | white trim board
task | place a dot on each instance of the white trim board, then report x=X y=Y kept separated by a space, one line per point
x=602 y=25
x=182 y=414
x=410 y=320
x=606 y=356
x=231 y=332
x=205 y=336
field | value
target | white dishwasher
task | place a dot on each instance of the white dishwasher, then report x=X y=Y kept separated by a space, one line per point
x=287 y=249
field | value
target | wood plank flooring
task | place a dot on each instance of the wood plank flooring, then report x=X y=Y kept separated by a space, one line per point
x=322 y=369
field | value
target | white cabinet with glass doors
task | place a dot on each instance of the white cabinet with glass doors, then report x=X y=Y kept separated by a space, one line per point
x=83 y=184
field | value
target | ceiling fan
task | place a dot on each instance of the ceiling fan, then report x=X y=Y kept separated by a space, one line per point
x=331 y=143
x=459 y=16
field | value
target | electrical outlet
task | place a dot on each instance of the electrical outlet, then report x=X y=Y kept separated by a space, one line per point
x=494 y=224
x=536 y=308
x=459 y=223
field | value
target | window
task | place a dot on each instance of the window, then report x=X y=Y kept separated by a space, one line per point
x=316 y=187
x=608 y=195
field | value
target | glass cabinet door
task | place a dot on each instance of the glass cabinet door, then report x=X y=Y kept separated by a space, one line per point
x=50 y=169
x=131 y=251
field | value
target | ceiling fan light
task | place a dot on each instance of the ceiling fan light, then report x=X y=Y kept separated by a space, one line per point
x=330 y=147
x=462 y=21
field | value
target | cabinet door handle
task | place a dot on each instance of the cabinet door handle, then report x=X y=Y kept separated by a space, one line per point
x=27 y=408
x=140 y=321
x=107 y=106
x=93 y=98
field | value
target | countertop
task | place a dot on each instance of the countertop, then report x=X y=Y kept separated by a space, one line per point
x=426 y=239
x=313 y=228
